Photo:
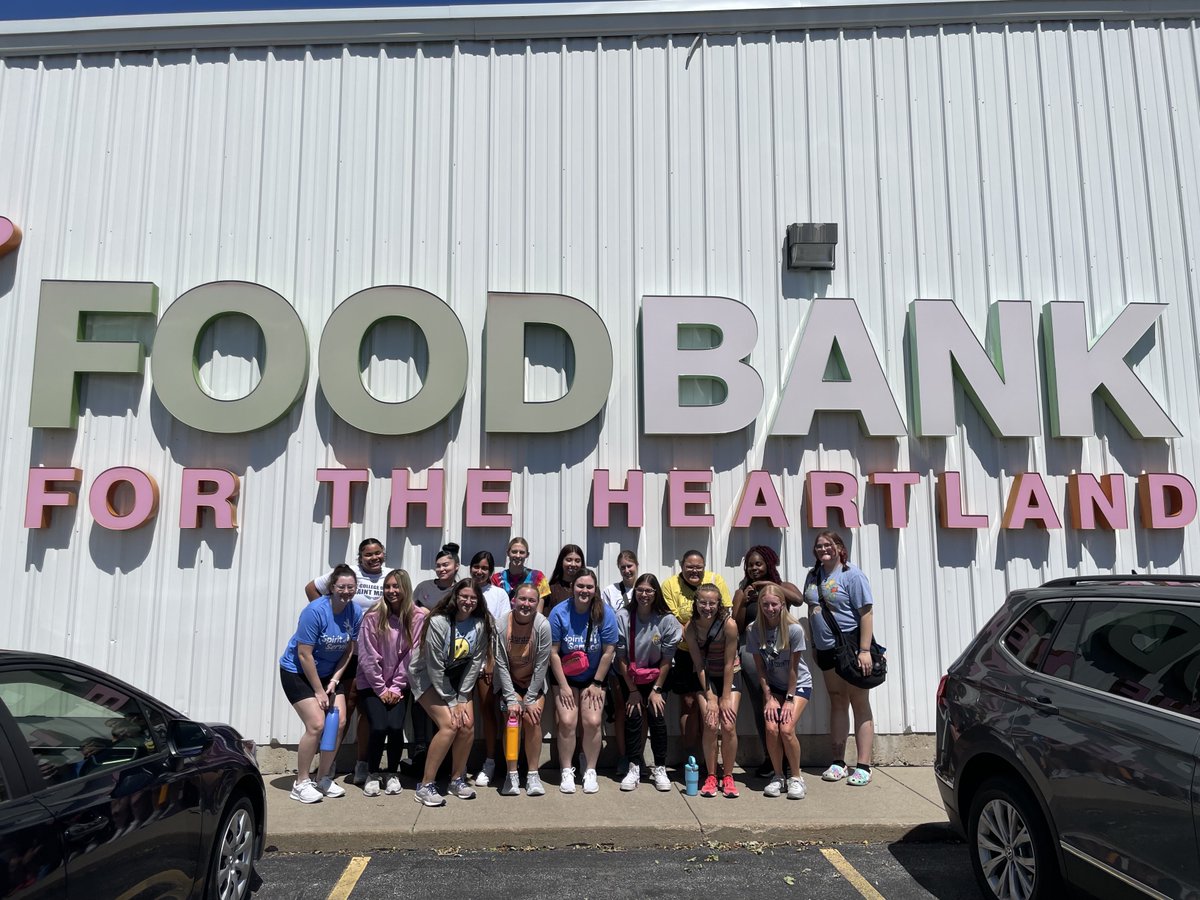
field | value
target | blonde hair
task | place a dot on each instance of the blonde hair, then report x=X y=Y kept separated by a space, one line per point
x=785 y=617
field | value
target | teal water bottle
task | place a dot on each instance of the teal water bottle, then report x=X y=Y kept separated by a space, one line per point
x=329 y=735
x=691 y=777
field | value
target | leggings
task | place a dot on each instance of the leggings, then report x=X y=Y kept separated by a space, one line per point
x=754 y=693
x=635 y=741
x=387 y=728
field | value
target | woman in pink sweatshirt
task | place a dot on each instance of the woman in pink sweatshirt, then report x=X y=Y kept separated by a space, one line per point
x=385 y=645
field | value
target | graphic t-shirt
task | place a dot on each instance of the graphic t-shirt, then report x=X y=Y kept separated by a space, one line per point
x=568 y=629
x=466 y=635
x=370 y=586
x=775 y=656
x=844 y=592
x=329 y=635
x=654 y=642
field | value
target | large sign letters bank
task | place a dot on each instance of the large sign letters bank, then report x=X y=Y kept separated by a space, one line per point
x=834 y=367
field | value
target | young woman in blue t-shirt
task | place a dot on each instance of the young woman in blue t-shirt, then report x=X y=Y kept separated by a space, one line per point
x=312 y=671
x=583 y=642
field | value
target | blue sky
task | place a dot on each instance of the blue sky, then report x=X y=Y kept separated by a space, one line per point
x=52 y=9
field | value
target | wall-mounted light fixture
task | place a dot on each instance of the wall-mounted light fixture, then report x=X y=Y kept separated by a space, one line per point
x=812 y=245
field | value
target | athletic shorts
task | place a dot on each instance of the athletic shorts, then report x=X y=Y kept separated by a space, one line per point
x=717 y=683
x=297 y=688
x=803 y=692
x=683 y=679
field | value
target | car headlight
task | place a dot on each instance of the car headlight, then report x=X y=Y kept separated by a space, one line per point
x=250 y=748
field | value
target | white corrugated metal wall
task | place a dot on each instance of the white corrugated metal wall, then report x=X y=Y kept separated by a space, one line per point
x=1041 y=161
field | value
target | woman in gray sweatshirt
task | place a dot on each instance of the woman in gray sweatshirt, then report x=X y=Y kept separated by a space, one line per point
x=456 y=638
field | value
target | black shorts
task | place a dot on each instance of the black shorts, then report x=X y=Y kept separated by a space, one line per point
x=297 y=688
x=717 y=683
x=826 y=659
x=683 y=678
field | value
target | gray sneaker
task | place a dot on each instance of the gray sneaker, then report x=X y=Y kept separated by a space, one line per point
x=533 y=785
x=460 y=789
x=427 y=795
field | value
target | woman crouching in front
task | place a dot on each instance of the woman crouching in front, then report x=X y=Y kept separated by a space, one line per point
x=455 y=639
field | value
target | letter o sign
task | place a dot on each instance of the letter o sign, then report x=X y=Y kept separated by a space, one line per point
x=102 y=504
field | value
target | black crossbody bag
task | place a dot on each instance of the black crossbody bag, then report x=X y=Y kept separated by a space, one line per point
x=845 y=648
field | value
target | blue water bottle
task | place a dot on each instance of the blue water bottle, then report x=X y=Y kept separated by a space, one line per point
x=691 y=777
x=329 y=735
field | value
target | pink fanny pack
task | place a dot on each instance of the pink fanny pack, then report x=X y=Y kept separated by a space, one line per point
x=640 y=674
x=575 y=663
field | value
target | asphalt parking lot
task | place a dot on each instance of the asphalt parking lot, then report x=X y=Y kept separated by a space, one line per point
x=823 y=872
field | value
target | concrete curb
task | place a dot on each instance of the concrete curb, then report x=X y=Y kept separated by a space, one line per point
x=900 y=804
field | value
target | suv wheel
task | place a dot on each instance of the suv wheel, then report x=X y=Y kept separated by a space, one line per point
x=1010 y=845
x=232 y=867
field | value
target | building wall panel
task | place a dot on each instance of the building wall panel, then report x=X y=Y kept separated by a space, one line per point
x=986 y=162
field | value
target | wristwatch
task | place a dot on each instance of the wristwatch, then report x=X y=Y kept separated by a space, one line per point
x=656 y=689
x=597 y=682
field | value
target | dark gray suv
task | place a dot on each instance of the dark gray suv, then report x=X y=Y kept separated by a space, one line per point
x=1067 y=739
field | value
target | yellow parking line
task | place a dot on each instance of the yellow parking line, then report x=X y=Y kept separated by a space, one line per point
x=851 y=874
x=349 y=879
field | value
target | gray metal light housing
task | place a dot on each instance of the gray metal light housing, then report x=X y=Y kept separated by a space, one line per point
x=812 y=245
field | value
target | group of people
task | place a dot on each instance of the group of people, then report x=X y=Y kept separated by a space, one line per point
x=493 y=645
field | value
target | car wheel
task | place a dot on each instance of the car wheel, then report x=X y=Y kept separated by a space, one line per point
x=1010 y=845
x=232 y=868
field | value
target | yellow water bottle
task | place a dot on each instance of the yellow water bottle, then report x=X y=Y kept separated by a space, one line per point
x=512 y=733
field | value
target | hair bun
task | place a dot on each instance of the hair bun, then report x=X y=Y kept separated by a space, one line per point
x=451 y=548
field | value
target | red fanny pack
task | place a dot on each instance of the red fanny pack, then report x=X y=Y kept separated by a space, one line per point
x=640 y=674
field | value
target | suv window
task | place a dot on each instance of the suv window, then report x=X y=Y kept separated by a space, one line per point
x=75 y=726
x=1028 y=638
x=1143 y=651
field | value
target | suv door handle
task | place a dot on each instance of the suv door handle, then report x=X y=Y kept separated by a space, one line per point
x=1043 y=705
x=85 y=829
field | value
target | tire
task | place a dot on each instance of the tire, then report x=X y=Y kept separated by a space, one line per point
x=231 y=871
x=1011 y=851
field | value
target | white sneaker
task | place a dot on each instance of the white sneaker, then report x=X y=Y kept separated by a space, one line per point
x=511 y=787
x=362 y=772
x=393 y=785
x=533 y=785
x=662 y=780
x=331 y=788
x=632 y=778
x=371 y=788
x=774 y=787
x=306 y=792
x=484 y=778
x=590 y=785
x=796 y=788
x=566 y=784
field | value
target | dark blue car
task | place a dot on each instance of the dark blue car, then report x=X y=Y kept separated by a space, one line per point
x=106 y=792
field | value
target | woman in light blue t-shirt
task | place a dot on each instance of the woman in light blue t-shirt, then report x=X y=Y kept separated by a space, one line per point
x=844 y=589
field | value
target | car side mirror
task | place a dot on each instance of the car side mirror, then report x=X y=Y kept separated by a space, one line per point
x=188 y=740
